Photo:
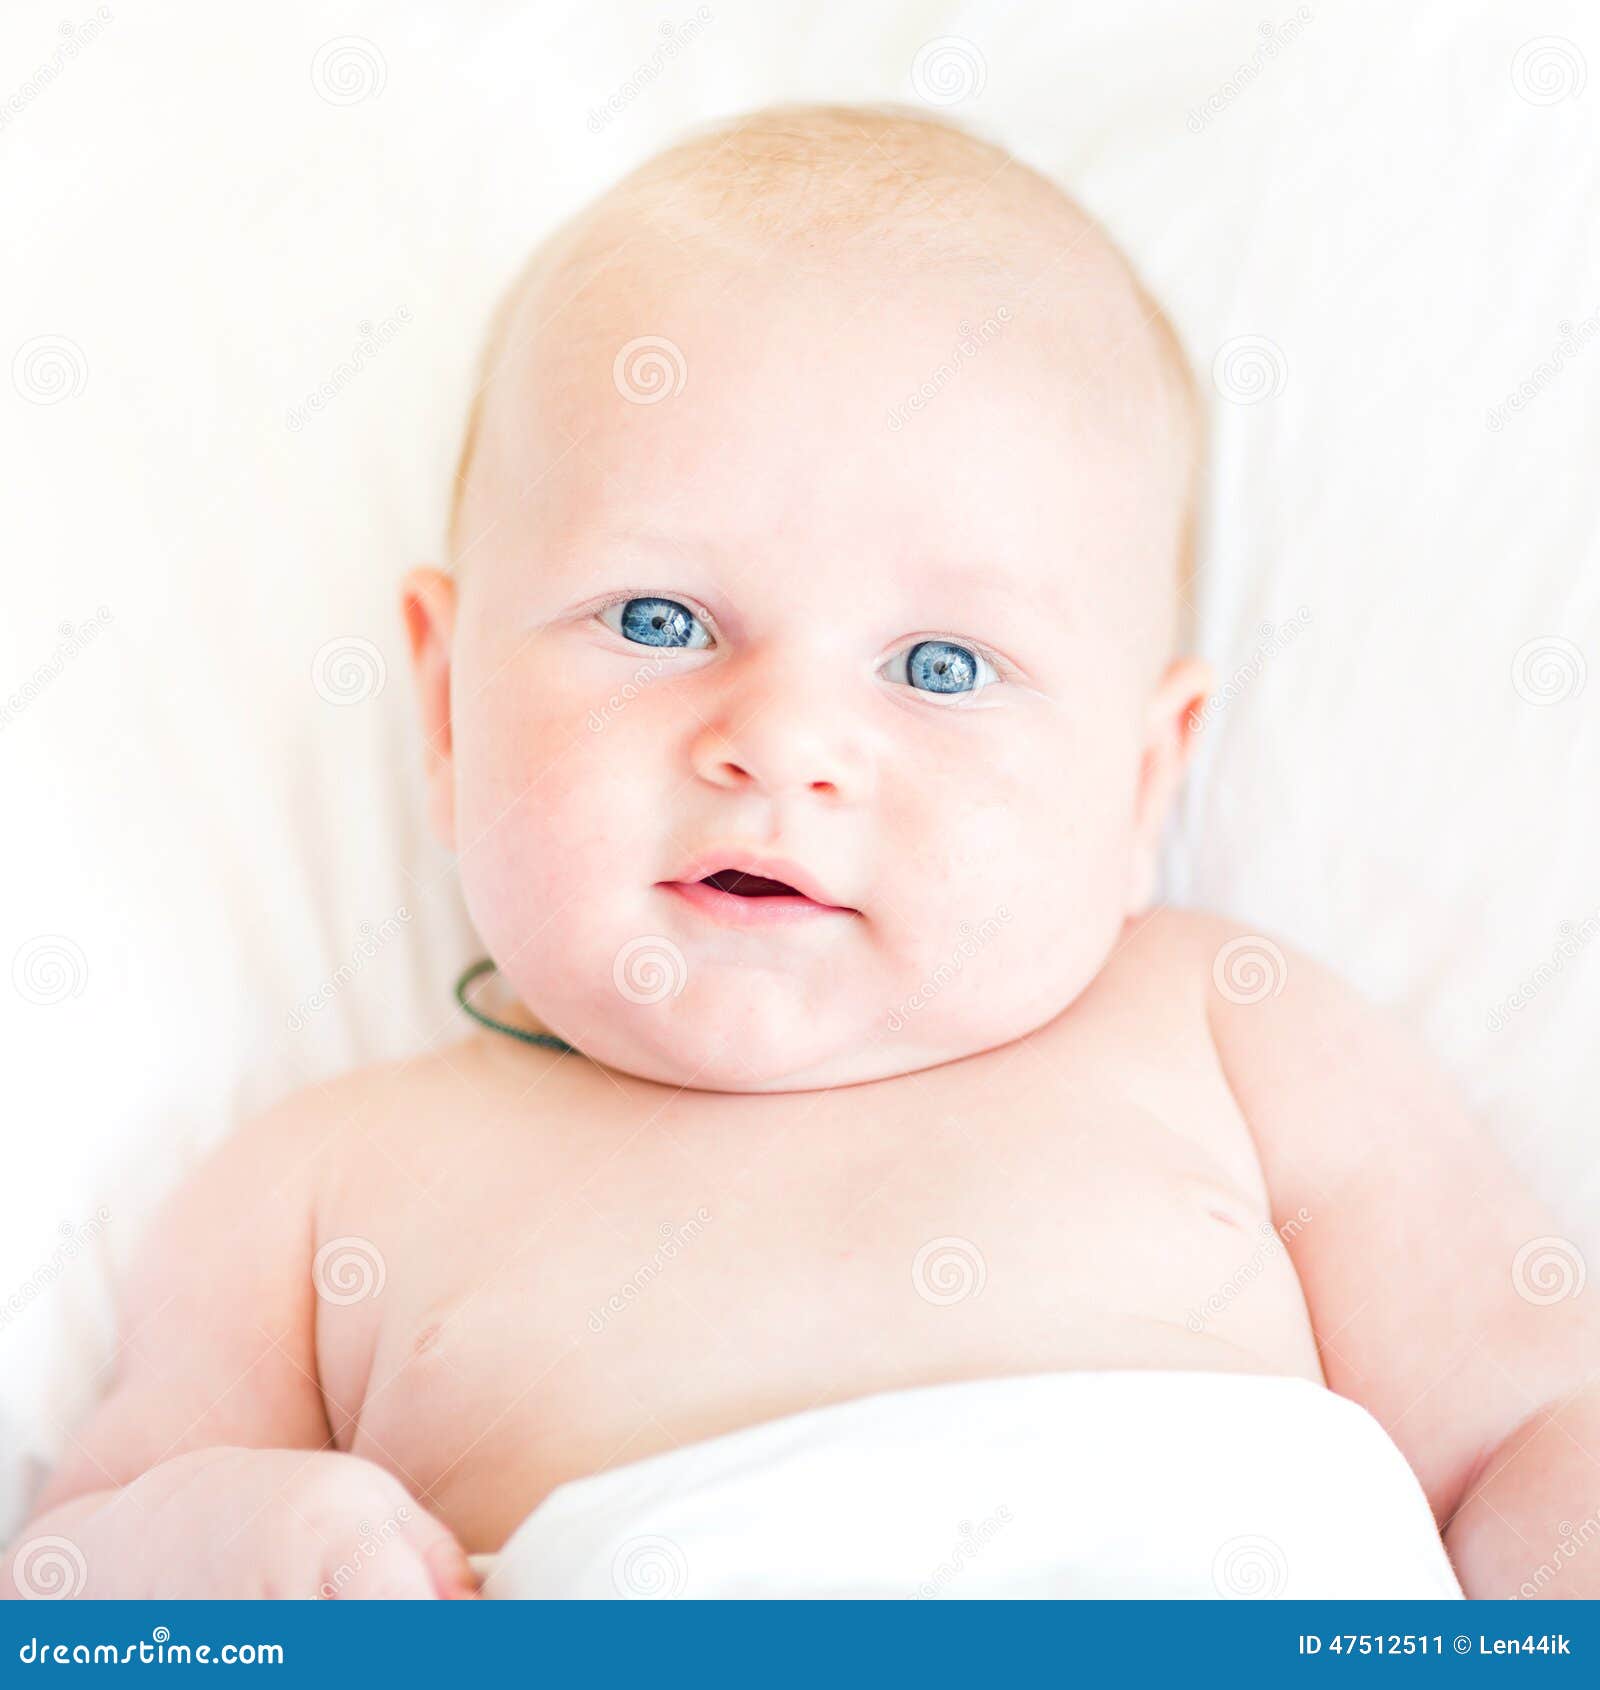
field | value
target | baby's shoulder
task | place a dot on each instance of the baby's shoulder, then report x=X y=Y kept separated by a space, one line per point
x=1272 y=1013
x=1186 y=978
x=1189 y=954
x=380 y=1104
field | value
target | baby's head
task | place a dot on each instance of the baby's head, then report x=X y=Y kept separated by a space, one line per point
x=825 y=509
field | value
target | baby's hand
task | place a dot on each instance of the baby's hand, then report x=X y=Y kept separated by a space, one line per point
x=293 y=1523
x=230 y=1522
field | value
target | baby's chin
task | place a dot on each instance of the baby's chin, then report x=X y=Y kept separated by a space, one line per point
x=729 y=1029
x=737 y=1037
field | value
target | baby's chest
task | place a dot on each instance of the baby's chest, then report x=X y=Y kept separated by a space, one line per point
x=547 y=1313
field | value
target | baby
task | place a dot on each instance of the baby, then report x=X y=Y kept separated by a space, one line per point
x=804 y=707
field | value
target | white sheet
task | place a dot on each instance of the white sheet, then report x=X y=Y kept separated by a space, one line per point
x=1394 y=214
x=1125 y=1484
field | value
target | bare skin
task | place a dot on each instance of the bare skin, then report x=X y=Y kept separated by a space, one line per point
x=1122 y=1212
x=1157 y=1165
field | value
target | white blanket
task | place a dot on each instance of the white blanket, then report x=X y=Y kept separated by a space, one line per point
x=1113 y=1484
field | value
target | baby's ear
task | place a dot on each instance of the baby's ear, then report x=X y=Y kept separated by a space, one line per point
x=1172 y=724
x=428 y=603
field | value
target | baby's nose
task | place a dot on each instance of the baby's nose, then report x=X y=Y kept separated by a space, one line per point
x=765 y=737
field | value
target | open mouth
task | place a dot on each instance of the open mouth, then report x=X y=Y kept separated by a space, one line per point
x=741 y=898
x=743 y=885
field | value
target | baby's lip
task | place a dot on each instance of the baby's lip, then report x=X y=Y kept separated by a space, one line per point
x=761 y=913
x=744 y=861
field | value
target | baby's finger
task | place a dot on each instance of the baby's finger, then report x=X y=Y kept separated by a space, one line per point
x=396 y=1574
x=442 y=1557
x=394 y=1564
x=452 y=1571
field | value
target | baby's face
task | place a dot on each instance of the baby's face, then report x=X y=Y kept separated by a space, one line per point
x=742 y=616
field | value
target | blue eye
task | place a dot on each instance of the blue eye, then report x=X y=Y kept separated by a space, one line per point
x=662 y=622
x=942 y=666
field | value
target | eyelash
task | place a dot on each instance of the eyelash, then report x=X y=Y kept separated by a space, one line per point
x=998 y=664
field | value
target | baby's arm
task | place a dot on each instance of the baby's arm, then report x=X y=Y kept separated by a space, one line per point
x=1423 y=1309
x=207 y=1469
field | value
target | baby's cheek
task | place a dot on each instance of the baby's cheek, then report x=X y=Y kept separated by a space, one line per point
x=1022 y=871
x=996 y=816
x=552 y=830
x=517 y=795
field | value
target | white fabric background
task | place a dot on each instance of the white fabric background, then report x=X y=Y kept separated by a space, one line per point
x=1396 y=209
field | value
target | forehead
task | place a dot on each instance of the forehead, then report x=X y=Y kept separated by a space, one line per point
x=984 y=423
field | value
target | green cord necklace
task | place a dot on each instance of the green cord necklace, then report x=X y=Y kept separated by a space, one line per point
x=487 y=966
